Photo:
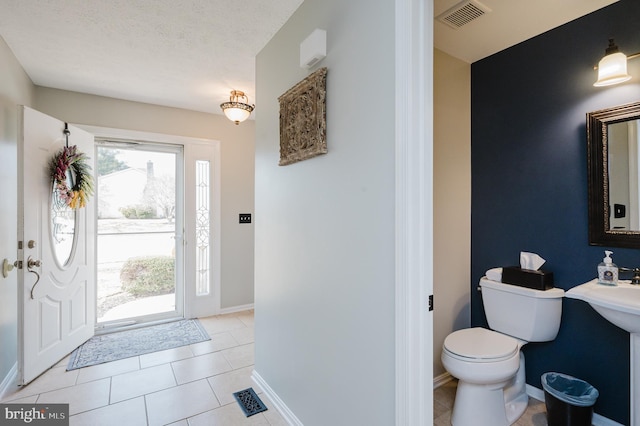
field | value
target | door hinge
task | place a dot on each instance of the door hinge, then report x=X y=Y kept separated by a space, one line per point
x=430 y=302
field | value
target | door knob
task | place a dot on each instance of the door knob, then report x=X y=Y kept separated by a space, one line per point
x=8 y=267
x=31 y=263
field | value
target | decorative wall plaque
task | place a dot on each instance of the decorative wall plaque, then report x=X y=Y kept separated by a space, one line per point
x=303 y=119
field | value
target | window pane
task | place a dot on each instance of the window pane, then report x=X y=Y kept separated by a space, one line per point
x=202 y=228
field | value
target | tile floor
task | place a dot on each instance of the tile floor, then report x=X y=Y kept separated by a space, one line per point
x=444 y=396
x=186 y=386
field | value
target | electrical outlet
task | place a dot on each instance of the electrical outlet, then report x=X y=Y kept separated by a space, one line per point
x=245 y=217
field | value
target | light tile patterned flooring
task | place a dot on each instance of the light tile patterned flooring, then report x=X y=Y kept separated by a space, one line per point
x=186 y=386
x=444 y=396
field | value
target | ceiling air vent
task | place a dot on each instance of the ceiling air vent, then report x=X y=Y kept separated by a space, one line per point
x=463 y=13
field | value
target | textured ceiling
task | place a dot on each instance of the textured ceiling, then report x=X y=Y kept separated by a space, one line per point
x=181 y=53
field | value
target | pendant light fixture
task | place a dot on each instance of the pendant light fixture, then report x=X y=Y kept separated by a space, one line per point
x=612 y=69
x=236 y=110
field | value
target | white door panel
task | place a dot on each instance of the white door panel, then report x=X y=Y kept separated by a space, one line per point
x=56 y=299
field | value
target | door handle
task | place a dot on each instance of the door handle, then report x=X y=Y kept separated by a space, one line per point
x=30 y=265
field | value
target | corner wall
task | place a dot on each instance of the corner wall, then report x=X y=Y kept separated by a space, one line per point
x=529 y=185
x=15 y=89
x=237 y=163
x=325 y=274
x=452 y=200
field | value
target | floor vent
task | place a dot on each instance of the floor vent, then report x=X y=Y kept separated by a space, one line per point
x=463 y=13
x=249 y=402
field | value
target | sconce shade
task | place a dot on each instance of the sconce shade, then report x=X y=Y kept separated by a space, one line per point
x=235 y=110
x=612 y=69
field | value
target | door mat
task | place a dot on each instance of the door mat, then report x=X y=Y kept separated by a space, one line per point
x=249 y=402
x=139 y=341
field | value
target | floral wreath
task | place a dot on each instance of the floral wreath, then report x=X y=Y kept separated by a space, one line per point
x=69 y=158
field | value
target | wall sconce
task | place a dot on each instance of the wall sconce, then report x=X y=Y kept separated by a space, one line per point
x=235 y=110
x=612 y=69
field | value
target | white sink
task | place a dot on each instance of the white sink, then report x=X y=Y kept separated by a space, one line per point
x=619 y=305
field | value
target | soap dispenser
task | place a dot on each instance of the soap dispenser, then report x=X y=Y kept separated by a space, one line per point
x=607 y=270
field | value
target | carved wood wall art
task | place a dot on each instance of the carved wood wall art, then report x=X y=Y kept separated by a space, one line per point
x=303 y=119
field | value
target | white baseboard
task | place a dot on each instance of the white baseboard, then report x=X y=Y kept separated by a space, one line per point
x=597 y=420
x=9 y=381
x=234 y=309
x=282 y=408
x=442 y=379
x=535 y=393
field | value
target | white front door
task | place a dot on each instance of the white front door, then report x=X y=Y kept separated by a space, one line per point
x=56 y=284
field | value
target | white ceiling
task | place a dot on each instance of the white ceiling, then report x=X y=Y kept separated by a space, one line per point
x=191 y=53
x=509 y=23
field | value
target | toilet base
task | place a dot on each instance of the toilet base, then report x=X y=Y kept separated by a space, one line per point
x=498 y=404
x=516 y=408
x=479 y=405
x=515 y=394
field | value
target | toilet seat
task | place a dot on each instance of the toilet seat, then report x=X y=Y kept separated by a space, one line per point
x=480 y=345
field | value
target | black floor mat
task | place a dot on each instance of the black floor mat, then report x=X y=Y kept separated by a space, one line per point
x=249 y=402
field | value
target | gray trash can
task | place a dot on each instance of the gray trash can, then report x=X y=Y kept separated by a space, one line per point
x=569 y=400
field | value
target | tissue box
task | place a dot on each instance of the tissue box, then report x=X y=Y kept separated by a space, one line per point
x=537 y=280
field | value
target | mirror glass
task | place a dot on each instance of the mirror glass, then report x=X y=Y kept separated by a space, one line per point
x=624 y=175
x=614 y=176
x=63 y=225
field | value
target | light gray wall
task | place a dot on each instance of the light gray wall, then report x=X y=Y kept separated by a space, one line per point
x=325 y=252
x=451 y=199
x=15 y=89
x=237 y=174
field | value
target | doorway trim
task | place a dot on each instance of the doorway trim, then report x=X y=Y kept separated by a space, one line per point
x=193 y=148
x=414 y=211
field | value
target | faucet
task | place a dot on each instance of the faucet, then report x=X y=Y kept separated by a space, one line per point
x=636 y=274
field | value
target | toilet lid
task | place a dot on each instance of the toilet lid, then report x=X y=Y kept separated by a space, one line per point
x=481 y=344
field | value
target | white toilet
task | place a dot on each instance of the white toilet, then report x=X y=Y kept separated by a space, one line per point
x=488 y=364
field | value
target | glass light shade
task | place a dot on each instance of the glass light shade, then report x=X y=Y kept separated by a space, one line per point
x=612 y=69
x=235 y=113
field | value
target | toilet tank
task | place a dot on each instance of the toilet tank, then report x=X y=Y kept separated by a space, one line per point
x=524 y=313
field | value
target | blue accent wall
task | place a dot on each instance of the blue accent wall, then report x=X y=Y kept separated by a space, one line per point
x=529 y=185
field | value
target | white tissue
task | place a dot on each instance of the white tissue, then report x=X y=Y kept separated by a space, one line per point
x=530 y=261
x=494 y=274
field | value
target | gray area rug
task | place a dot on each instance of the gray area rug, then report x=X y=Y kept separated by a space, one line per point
x=128 y=343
